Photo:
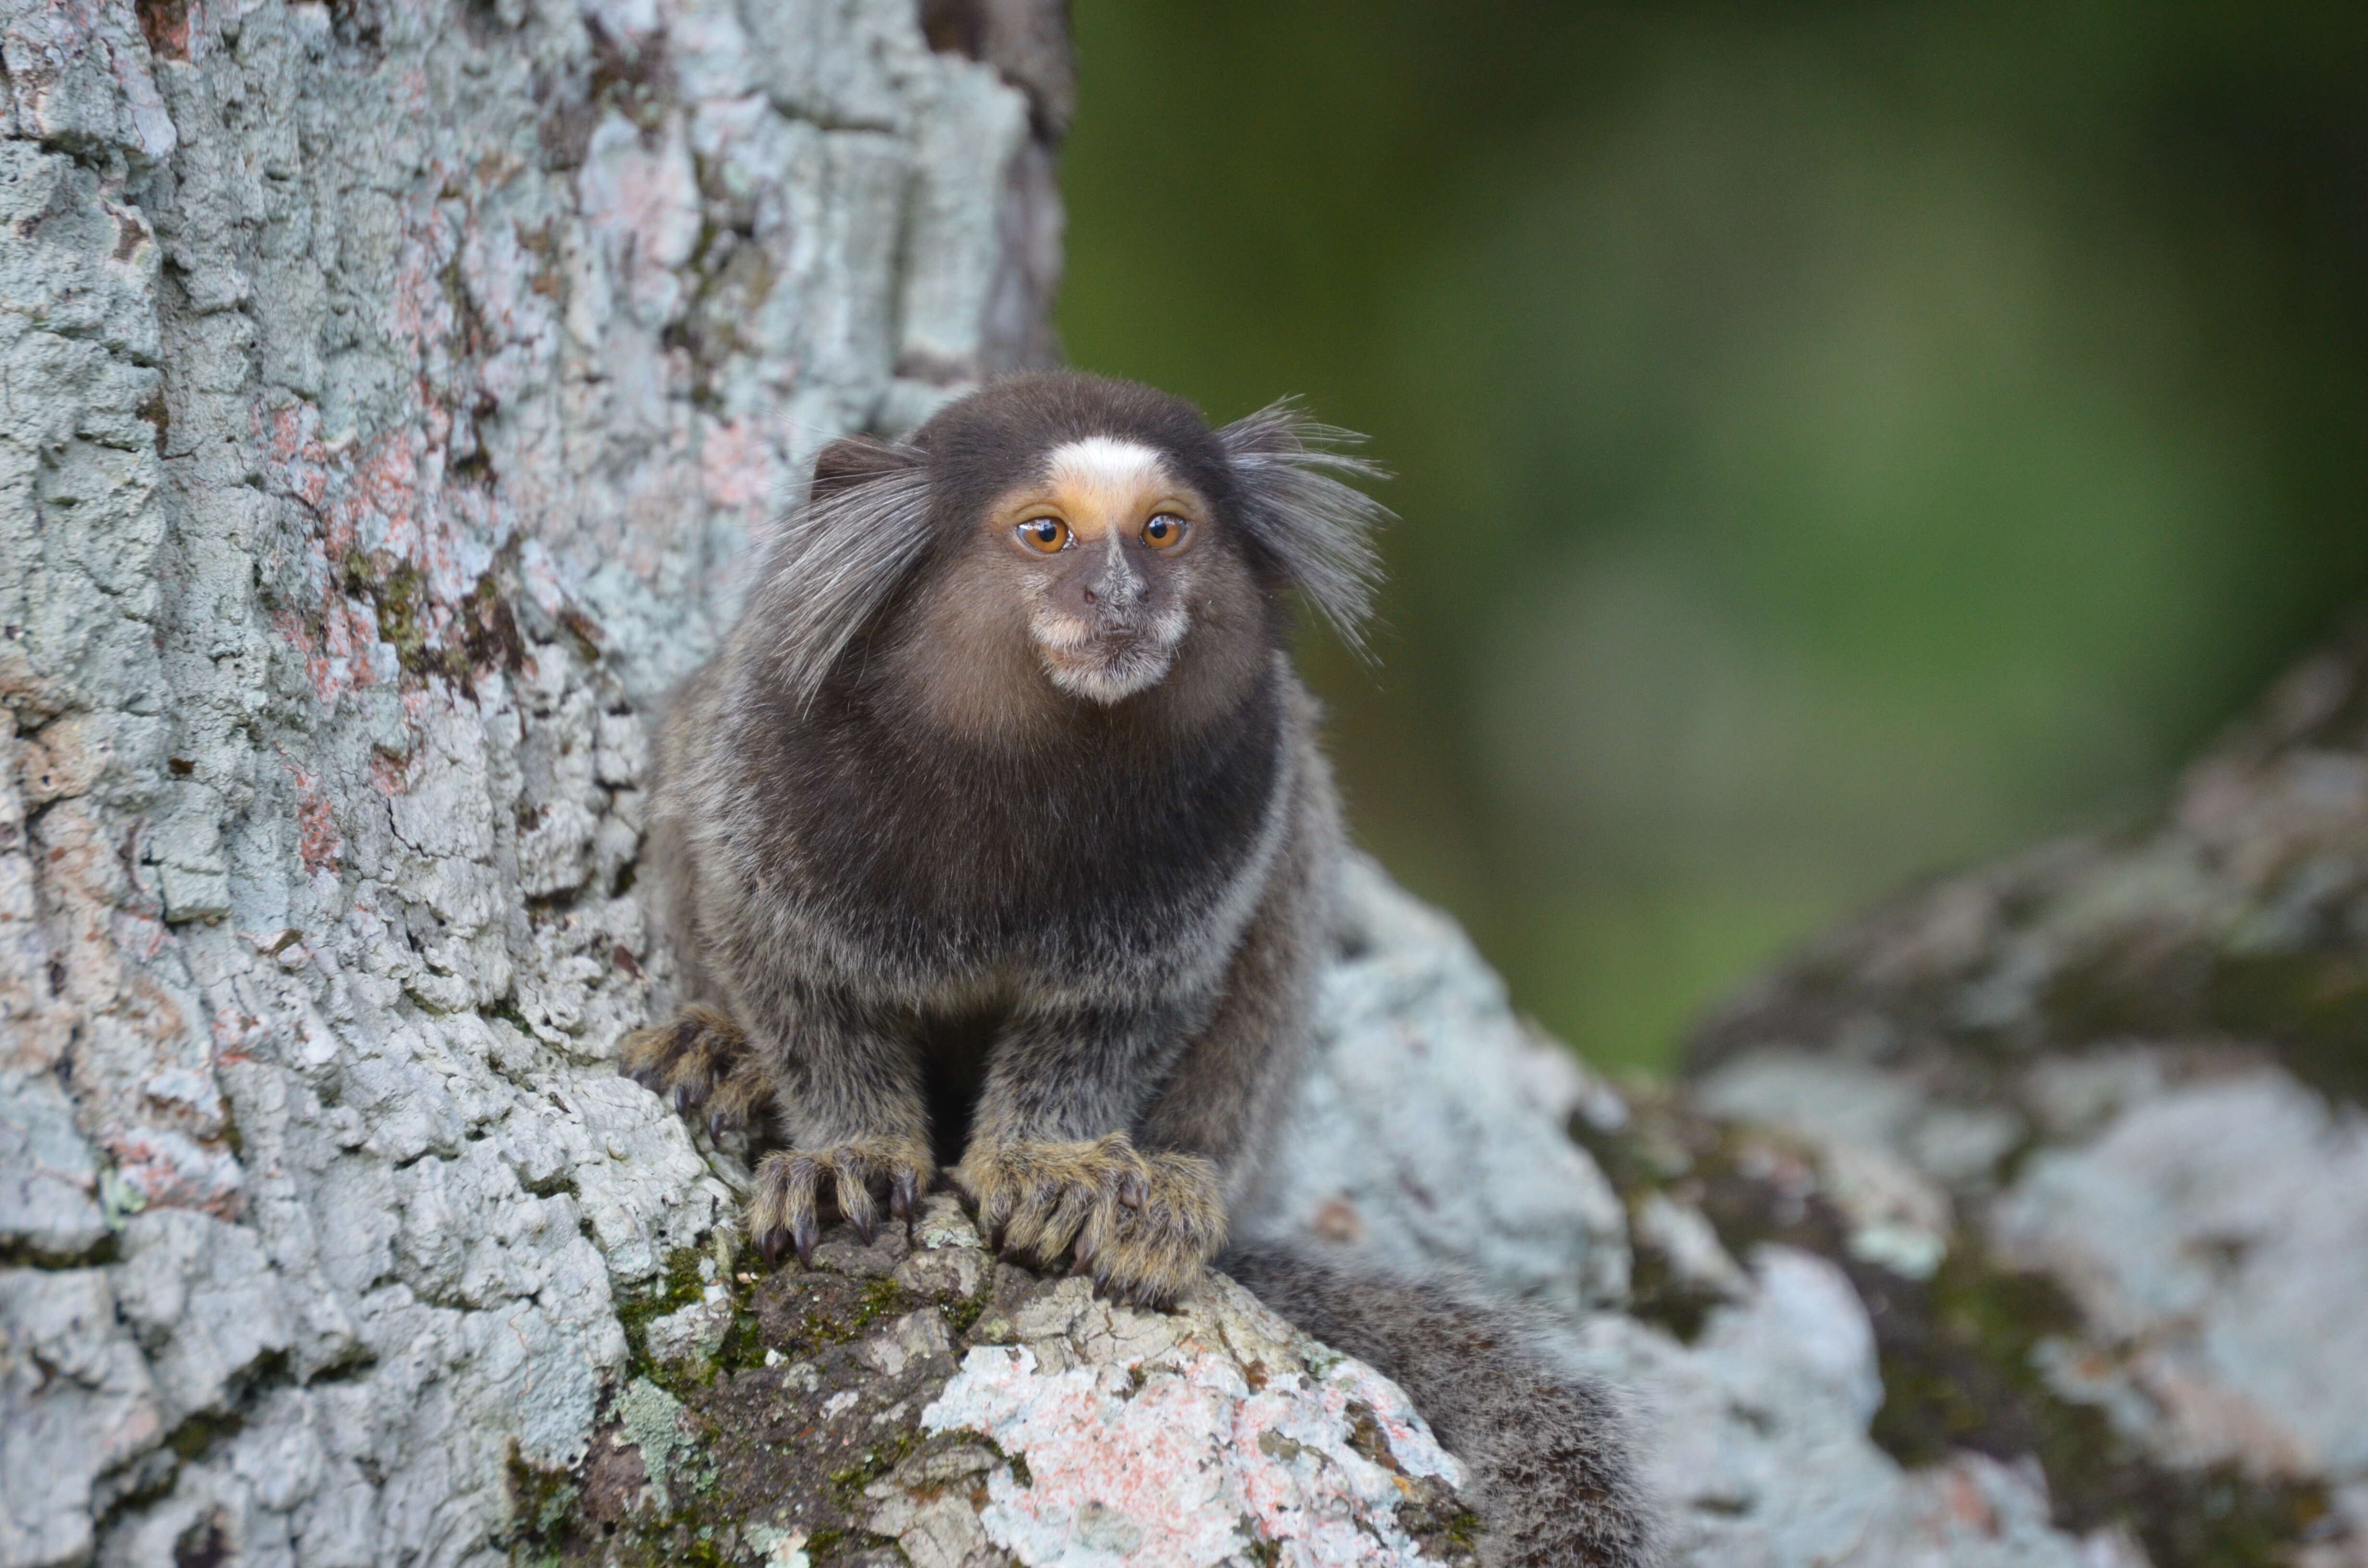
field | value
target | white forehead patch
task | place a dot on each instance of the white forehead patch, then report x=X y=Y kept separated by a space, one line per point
x=1106 y=464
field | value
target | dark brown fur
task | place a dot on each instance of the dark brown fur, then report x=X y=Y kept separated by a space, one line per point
x=1023 y=861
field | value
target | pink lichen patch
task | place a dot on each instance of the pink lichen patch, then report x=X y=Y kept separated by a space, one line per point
x=1963 y=1501
x=236 y=1029
x=298 y=462
x=318 y=842
x=1141 y=1477
x=327 y=675
x=189 y=1095
x=499 y=274
x=389 y=775
x=538 y=576
x=1324 y=1492
x=419 y=312
x=1178 y=1464
x=383 y=495
x=172 y=1170
x=138 y=933
x=641 y=203
x=395 y=538
x=739 y=470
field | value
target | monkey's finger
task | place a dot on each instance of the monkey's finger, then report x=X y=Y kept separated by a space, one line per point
x=740 y=1096
x=854 y=1200
x=905 y=1194
x=995 y=1216
x=1064 y=1219
x=1113 y=1271
x=660 y=1051
x=1112 y=1282
x=1021 y=1227
x=644 y=1053
x=1119 y=1170
x=1061 y=1195
x=646 y=1070
x=781 y=1208
x=783 y=1190
x=696 y=1072
x=1095 y=1241
x=1144 y=1276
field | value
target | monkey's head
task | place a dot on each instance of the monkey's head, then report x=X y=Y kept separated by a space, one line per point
x=1062 y=539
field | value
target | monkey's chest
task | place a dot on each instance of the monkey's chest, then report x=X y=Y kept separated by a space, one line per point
x=1077 y=862
x=952 y=912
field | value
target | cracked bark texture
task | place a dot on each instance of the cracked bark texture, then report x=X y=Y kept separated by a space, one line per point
x=388 y=388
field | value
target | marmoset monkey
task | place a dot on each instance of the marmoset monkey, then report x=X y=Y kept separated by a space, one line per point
x=995 y=837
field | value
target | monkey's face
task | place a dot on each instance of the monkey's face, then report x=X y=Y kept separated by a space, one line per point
x=1057 y=549
x=1104 y=549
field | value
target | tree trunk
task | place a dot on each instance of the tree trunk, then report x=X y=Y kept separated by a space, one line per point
x=390 y=390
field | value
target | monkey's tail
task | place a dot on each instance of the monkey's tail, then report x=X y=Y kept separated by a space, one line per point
x=1553 y=1474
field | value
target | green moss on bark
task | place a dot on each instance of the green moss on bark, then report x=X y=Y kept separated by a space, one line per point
x=705 y=1461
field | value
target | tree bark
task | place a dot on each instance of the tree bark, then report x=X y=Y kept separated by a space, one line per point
x=390 y=391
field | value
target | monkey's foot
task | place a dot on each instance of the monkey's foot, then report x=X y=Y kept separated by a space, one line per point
x=700 y=1059
x=861 y=1175
x=1142 y=1225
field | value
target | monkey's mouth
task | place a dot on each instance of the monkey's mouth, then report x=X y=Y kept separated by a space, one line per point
x=1107 y=662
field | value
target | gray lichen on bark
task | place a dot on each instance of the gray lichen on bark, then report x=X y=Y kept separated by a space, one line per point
x=2085 y=1128
x=387 y=395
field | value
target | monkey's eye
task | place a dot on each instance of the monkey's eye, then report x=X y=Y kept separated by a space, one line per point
x=1165 y=532
x=1045 y=534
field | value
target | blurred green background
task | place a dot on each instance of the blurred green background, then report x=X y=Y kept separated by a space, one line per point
x=1836 y=442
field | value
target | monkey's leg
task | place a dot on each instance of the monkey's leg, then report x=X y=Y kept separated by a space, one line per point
x=1052 y=1169
x=699 y=1058
x=847 y=1092
x=1228 y=1089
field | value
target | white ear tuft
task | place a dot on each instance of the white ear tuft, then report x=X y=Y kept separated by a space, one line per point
x=862 y=530
x=1320 y=528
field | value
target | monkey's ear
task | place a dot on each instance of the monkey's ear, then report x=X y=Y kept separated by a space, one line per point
x=1320 y=529
x=852 y=460
x=862 y=530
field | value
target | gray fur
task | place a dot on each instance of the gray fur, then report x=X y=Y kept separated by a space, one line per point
x=1555 y=1481
x=944 y=908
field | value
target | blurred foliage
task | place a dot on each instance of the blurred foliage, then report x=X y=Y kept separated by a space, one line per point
x=1836 y=440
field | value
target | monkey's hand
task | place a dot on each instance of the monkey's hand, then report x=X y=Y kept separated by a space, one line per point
x=1142 y=1225
x=700 y=1059
x=861 y=1172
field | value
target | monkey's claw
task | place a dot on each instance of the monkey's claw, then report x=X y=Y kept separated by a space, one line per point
x=784 y=1207
x=1142 y=1225
x=700 y=1059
